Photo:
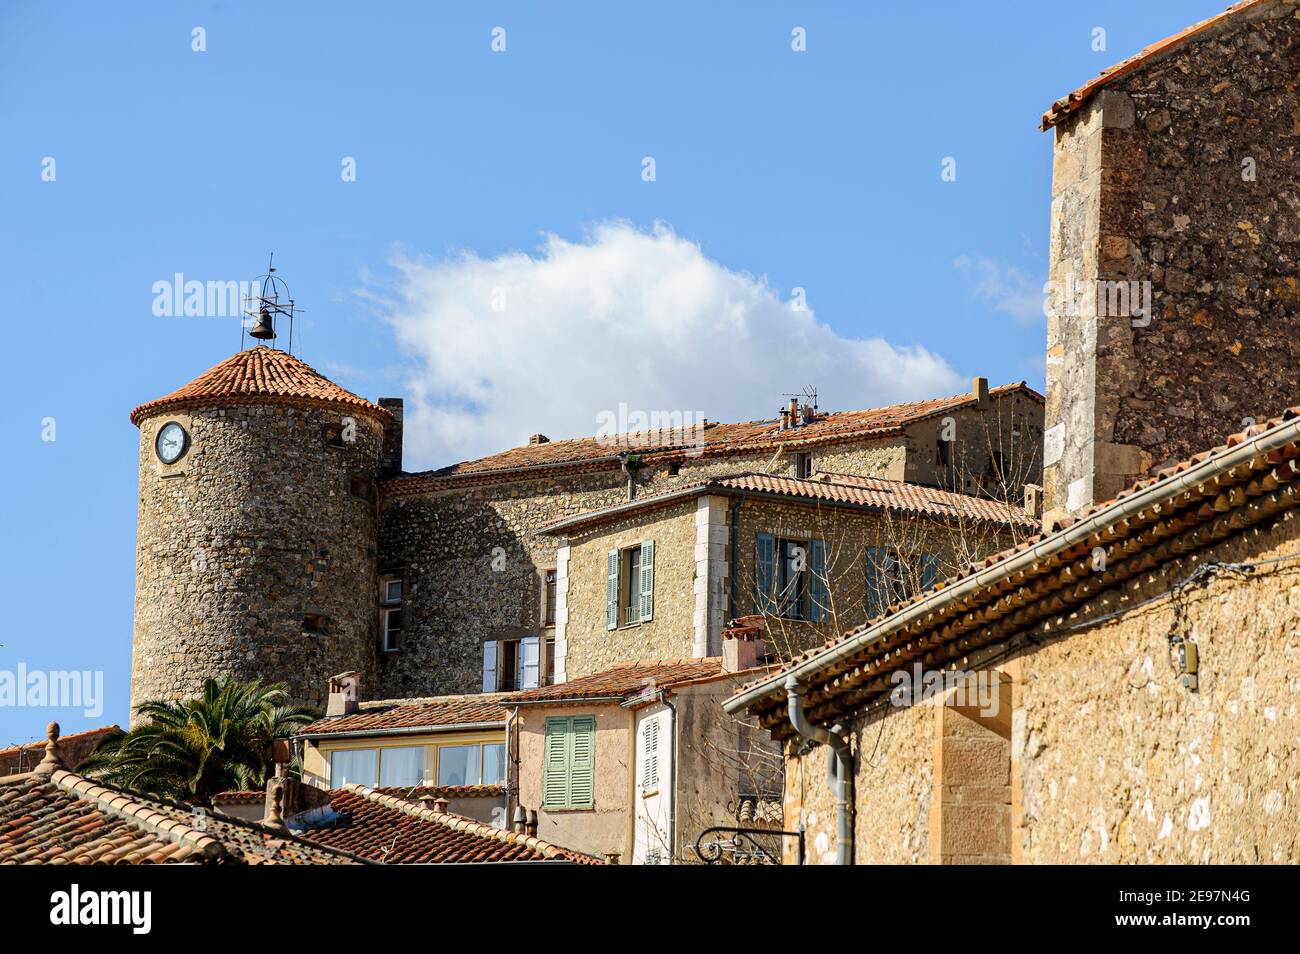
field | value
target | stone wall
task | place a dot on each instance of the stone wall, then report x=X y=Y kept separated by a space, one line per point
x=848 y=534
x=605 y=827
x=255 y=555
x=1180 y=174
x=1111 y=760
x=590 y=646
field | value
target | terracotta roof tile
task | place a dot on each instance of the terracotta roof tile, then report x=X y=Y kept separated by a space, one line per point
x=258 y=375
x=63 y=818
x=847 y=490
x=388 y=828
x=1063 y=107
x=625 y=679
x=434 y=712
x=999 y=561
x=718 y=439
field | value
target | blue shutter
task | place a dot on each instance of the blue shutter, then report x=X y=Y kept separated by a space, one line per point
x=765 y=575
x=490 y=666
x=611 y=591
x=647 y=581
x=818 y=585
x=929 y=570
x=877 y=559
x=530 y=658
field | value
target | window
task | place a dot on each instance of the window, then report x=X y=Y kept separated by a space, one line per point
x=476 y=764
x=548 y=605
x=630 y=584
x=650 y=755
x=352 y=766
x=549 y=678
x=390 y=613
x=510 y=664
x=401 y=766
x=942 y=453
x=803 y=465
x=569 y=762
x=892 y=577
x=791 y=579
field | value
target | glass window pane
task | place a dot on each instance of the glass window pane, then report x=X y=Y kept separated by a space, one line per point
x=494 y=764
x=404 y=766
x=458 y=765
x=393 y=591
x=352 y=766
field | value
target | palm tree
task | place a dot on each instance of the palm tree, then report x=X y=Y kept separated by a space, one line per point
x=191 y=749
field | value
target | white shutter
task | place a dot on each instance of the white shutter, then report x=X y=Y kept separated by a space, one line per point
x=647 y=581
x=490 y=666
x=529 y=662
x=650 y=754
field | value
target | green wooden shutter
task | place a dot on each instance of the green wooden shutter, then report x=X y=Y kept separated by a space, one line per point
x=611 y=591
x=929 y=570
x=876 y=562
x=818 y=589
x=582 y=762
x=765 y=574
x=555 y=762
x=647 y=581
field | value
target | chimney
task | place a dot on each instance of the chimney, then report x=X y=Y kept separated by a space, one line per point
x=538 y=439
x=979 y=389
x=390 y=454
x=744 y=643
x=1034 y=501
x=519 y=822
x=792 y=411
x=344 y=690
x=1167 y=312
x=530 y=826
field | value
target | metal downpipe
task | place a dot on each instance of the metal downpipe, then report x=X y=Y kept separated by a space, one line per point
x=839 y=768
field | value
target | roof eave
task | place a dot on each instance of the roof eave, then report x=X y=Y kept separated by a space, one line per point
x=1285 y=433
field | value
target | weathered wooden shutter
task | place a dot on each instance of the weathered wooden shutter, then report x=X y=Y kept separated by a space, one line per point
x=819 y=591
x=490 y=666
x=877 y=568
x=647 y=580
x=929 y=570
x=555 y=762
x=611 y=591
x=765 y=574
x=650 y=755
x=582 y=762
x=530 y=658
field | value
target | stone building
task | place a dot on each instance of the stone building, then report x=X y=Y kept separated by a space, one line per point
x=258 y=516
x=1174 y=230
x=1121 y=687
x=657 y=576
x=279 y=538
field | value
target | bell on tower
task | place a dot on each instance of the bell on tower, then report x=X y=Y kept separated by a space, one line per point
x=272 y=301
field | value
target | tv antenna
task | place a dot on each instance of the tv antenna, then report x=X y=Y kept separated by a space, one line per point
x=271 y=302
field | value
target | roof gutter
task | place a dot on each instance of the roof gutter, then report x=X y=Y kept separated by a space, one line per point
x=1285 y=433
x=404 y=730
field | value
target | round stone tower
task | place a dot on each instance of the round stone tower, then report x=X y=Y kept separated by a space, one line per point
x=257 y=534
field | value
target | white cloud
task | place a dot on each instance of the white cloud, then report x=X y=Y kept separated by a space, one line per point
x=1005 y=287
x=519 y=344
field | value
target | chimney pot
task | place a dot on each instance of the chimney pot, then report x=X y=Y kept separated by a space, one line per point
x=1034 y=501
x=344 y=690
x=518 y=822
x=744 y=643
x=530 y=827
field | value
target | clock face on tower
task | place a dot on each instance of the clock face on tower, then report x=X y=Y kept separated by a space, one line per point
x=171 y=442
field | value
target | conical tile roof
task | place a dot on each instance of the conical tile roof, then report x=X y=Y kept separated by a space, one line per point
x=259 y=375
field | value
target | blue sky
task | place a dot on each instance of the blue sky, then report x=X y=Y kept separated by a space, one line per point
x=774 y=171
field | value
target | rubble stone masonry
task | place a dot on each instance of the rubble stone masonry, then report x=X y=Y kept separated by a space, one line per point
x=256 y=551
x=1179 y=177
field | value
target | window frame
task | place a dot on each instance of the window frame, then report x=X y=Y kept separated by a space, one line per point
x=390 y=638
x=569 y=725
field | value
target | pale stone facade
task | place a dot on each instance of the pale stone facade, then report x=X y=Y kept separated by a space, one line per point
x=1107 y=758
